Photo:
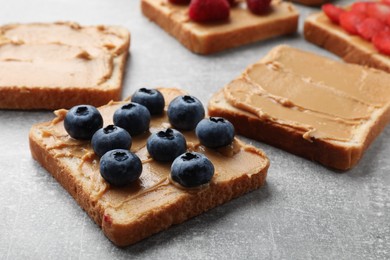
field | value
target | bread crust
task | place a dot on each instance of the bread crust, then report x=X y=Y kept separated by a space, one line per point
x=207 y=44
x=132 y=229
x=50 y=98
x=350 y=48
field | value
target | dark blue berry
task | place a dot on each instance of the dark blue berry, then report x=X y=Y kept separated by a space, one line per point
x=215 y=132
x=152 y=99
x=165 y=146
x=185 y=112
x=120 y=167
x=132 y=117
x=82 y=121
x=109 y=138
x=192 y=170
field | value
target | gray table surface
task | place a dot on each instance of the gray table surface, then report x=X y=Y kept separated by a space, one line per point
x=305 y=211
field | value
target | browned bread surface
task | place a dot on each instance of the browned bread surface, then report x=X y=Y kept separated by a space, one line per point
x=266 y=124
x=59 y=65
x=319 y=30
x=242 y=28
x=153 y=203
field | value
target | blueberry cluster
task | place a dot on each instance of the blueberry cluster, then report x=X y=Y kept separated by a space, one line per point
x=186 y=113
x=119 y=166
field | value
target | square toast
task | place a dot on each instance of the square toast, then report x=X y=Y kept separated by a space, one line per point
x=318 y=29
x=59 y=65
x=153 y=203
x=329 y=115
x=243 y=27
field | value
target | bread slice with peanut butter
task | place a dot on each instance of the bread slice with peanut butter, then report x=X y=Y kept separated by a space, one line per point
x=308 y=105
x=59 y=65
x=153 y=203
x=243 y=27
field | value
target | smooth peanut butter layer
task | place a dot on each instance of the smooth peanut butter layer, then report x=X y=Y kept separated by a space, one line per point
x=154 y=190
x=365 y=85
x=40 y=60
x=317 y=101
x=244 y=95
x=317 y=97
x=319 y=30
x=58 y=55
x=242 y=27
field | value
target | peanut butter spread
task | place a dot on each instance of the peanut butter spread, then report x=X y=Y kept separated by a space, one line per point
x=317 y=96
x=59 y=54
x=154 y=188
x=240 y=17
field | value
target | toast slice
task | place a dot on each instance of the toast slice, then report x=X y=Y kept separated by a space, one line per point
x=308 y=105
x=319 y=30
x=242 y=28
x=153 y=203
x=59 y=65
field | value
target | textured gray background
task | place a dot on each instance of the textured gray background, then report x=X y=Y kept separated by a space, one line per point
x=304 y=212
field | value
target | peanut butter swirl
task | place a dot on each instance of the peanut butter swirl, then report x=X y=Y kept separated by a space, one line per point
x=58 y=54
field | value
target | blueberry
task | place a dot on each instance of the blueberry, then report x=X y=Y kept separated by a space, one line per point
x=192 y=170
x=215 y=132
x=184 y=112
x=165 y=146
x=82 y=121
x=133 y=117
x=120 y=167
x=152 y=99
x=109 y=138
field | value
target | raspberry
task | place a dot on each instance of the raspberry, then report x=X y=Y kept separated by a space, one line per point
x=349 y=20
x=381 y=41
x=258 y=6
x=360 y=7
x=333 y=12
x=209 y=10
x=233 y=3
x=369 y=27
x=180 y=2
x=379 y=10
